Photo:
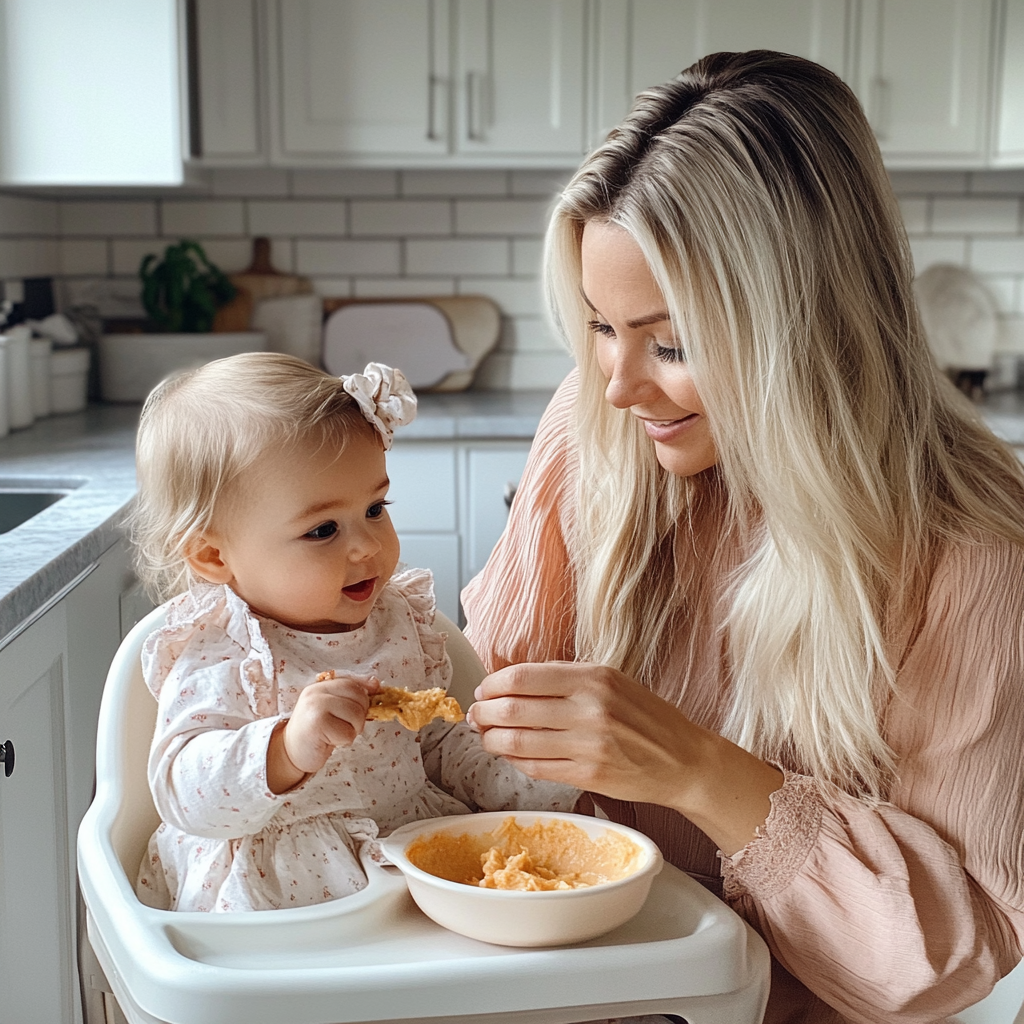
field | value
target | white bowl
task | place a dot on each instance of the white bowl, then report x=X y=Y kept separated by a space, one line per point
x=524 y=918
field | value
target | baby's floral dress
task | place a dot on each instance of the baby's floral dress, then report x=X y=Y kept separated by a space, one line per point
x=224 y=678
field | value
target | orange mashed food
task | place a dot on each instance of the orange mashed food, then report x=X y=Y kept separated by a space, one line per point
x=542 y=857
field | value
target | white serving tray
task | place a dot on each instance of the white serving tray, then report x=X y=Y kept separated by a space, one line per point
x=375 y=957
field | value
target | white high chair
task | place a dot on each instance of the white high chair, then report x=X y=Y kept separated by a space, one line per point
x=374 y=956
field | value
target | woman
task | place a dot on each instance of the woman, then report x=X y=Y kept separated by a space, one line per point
x=761 y=588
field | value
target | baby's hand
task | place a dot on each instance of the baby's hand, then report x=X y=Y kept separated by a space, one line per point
x=329 y=713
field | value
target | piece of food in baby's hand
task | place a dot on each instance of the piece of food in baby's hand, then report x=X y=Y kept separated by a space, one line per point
x=413 y=708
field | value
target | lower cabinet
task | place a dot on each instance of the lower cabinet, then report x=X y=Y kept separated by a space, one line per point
x=450 y=505
x=52 y=671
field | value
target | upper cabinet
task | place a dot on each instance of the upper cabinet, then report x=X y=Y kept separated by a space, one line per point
x=377 y=81
x=90 y=93
x=640 y=43
x=521 y=83
x=924 y=77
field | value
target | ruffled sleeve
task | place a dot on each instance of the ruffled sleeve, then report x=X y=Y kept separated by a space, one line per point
x=910 y=910
x=417 y=587
x=213 y=676
x=519 y=608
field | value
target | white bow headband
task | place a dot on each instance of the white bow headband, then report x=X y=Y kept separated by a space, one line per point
x=384 y=396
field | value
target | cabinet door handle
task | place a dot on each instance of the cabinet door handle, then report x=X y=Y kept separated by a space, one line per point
x=434 y=84
x=7 y=757
x=475 y=106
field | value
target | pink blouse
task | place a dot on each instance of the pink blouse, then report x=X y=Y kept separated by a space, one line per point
x=904 y=912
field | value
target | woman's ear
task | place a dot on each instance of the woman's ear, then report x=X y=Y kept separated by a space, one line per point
x=205 y=560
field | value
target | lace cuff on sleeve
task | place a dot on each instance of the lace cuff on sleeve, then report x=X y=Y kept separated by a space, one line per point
x=770 y=861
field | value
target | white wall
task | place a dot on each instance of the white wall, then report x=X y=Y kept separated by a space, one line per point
x=386 y=233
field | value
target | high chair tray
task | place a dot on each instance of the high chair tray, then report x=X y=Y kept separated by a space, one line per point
x=375 y=957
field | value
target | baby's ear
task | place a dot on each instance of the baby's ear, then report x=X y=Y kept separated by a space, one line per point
x=205 y=560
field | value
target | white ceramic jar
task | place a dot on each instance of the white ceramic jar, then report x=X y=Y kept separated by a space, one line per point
x=69 y=379
x=5 y=423
x=39 y=360
x=19 y=378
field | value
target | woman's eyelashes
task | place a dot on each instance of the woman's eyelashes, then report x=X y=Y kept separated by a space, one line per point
x=672 y=353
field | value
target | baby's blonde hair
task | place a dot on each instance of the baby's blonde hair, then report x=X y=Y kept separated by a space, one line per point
x=201 y=430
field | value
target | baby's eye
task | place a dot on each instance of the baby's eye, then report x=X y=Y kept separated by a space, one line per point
x=323 y=531
x=376 y=510
x=606 y=330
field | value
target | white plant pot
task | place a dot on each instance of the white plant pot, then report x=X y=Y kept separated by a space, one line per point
x=131 y=365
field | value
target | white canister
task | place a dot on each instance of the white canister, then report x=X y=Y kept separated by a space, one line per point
x=39 y=359
x=5 y=424
x=69 y=379
x=19 y=378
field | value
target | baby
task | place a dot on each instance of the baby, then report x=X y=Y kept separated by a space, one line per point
x=263 y=507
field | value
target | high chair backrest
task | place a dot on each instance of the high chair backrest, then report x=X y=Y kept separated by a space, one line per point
x=128 y=715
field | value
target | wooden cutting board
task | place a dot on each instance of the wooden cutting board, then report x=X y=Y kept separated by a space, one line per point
x=258 y=281
x=475 y=326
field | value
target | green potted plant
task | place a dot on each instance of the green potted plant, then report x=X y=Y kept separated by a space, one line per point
x=181 y=294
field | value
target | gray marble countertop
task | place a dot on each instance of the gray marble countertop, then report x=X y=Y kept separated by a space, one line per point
x=91 y=454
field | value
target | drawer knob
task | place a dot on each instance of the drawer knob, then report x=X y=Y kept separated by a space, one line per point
x=7 y=756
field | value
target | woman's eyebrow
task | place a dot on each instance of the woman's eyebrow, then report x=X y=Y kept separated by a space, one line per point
x=643 y=321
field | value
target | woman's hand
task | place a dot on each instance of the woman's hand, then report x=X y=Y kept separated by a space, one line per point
x=329 y=713
x=595 y=728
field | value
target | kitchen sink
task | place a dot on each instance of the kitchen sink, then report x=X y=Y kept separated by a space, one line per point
x=21 y=499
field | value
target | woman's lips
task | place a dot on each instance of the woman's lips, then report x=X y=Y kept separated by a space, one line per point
x=360 y=591
x=668 y=430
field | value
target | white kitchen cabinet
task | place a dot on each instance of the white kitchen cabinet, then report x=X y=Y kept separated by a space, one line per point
x=1009 y=144
x=924 y=78
x=227 y=107
x=51 y=678
x=518 y=77
x=449 y=506
x=640 y=43
x=386 y=81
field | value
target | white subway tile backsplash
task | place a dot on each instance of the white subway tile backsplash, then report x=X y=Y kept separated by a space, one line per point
x=528 y=334
x=929 y=251
x=454 y=183
x=105 y=217
x=403 y=287
x=344 y=183
x=192 y=218
x=515 y=297
x=22 y=215
x=502 y=371
x=401 y=218
x=126 y=254
x=929 y=182
x=79 y=256
x=332 y=287
x=298 y=217
x=527 y=256
x=229 y=254
x=249 y=182
x=914 y=210
x=355 y=257
x=28 y=257
x=539 y=183
x=500 y=216
x=457 y=256
x=998 y=255
x=975 y=216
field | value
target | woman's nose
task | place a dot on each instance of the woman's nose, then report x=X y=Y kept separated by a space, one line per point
x=628 y=382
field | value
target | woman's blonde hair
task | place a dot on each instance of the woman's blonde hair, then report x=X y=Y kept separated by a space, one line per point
x=202 y=430
x=753 y=186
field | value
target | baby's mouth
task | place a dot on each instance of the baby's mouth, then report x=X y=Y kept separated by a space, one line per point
x=360 y=591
